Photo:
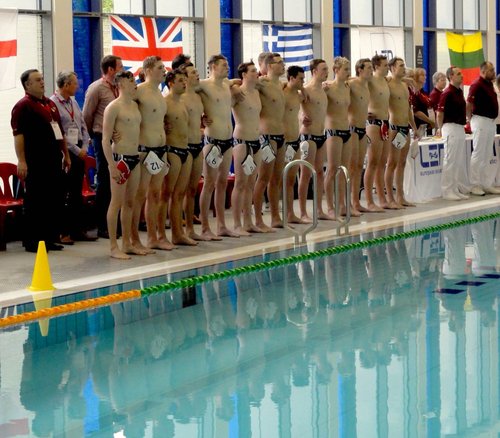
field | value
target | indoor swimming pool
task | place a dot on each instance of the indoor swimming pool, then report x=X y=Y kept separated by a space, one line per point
x=398 y=339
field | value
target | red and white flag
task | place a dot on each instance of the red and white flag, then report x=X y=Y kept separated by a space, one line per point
x=8 y=48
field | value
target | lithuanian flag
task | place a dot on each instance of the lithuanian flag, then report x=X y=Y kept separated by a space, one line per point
x=466 y=52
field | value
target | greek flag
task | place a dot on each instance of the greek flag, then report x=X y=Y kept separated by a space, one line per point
x=293 y=43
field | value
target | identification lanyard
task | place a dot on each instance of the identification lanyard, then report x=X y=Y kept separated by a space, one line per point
x=112 y=87
x=68 y=107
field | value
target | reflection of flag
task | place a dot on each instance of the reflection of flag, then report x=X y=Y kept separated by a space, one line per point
x=8 y=49
x=135 y=38
x=293 y=43
x=466 y=52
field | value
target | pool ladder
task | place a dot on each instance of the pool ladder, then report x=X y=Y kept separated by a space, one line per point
x=301 y=235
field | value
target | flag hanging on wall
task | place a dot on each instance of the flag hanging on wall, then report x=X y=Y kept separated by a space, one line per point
x=293 y=43
x=135 y=38
x=466 y=52
x=8 y=48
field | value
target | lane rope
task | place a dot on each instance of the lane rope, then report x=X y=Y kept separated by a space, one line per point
x=79 y=306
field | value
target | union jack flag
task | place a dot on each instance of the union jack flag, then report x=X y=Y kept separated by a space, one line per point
x=136 y=38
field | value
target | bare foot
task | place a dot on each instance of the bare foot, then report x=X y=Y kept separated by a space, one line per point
x=354 y=212
x=210 y=236
x=306 y=219
x=276 y=223
x=360 y=208
x=120 y=255
x=374 y=208
x=330 y=216
x=164 y=245
x=223 y=231
x=253 y=228
x=134 y=250
x=141 y=247
x=392 y=205
x=264 y=228
x=197 y=237
x=292 y=219
x=184 y=240
x=241 y=231
x=405 y=203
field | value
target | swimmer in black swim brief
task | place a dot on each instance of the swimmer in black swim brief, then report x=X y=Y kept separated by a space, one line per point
x=224 y=145
x=319 y=140
x=344 y=134
x=180 y=152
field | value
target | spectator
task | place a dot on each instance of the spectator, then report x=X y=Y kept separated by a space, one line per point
x=38 y=140
x=482 y=110
x=77 y=139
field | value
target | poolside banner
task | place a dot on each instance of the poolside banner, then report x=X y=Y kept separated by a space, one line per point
x=293 y=43
x=466 y=52
x=136 y=38
x=8 y=48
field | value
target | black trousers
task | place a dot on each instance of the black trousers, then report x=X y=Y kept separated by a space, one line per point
x=103 y=189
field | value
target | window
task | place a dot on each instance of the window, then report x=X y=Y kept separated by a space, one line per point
x=362 y=12
x=19 y=4
x=257 y=9
x=252 y=42
x=175 y=8
x=29 y=55
x=444 y=14
x=123 y=6
x=392 y=12
x=470 y=13
x=297 y=10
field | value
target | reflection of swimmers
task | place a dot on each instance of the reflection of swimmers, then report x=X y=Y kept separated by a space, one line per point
x=246 y=149
x=312 y=136
x=338 y=135
x=123 y=116
x=293 y=99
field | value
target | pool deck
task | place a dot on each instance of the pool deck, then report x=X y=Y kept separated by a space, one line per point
x=87 y=265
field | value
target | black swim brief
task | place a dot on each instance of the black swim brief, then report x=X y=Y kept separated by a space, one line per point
x=180 y=152
x=294 y=144
x=360 y=131
x=125 y=164
x=194 y=149
x=344 y=134
x=405 y=130
x=224 y=145
x=278 y=138
x=318 y=139
x=158 y=150
x=252 y=145
x=384 y=127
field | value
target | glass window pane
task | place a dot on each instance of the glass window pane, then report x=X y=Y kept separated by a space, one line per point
x=123 y=6
x=444 y=14
x=29 y=55
x=174 y=8
x=362 y=12
x=471 y=14
x=297 y=10
x=252 y=41
x=392 y=12
x=19 y=4
x=443 y=55
x=81 y=5
x=257 y=9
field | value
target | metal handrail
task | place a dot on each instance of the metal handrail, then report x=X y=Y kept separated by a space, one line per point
x=284 y=203
x=342 y=170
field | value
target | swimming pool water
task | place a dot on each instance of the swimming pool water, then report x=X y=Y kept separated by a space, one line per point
x=397 y=340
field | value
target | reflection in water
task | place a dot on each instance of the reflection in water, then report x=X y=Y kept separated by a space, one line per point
x=397 y=340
